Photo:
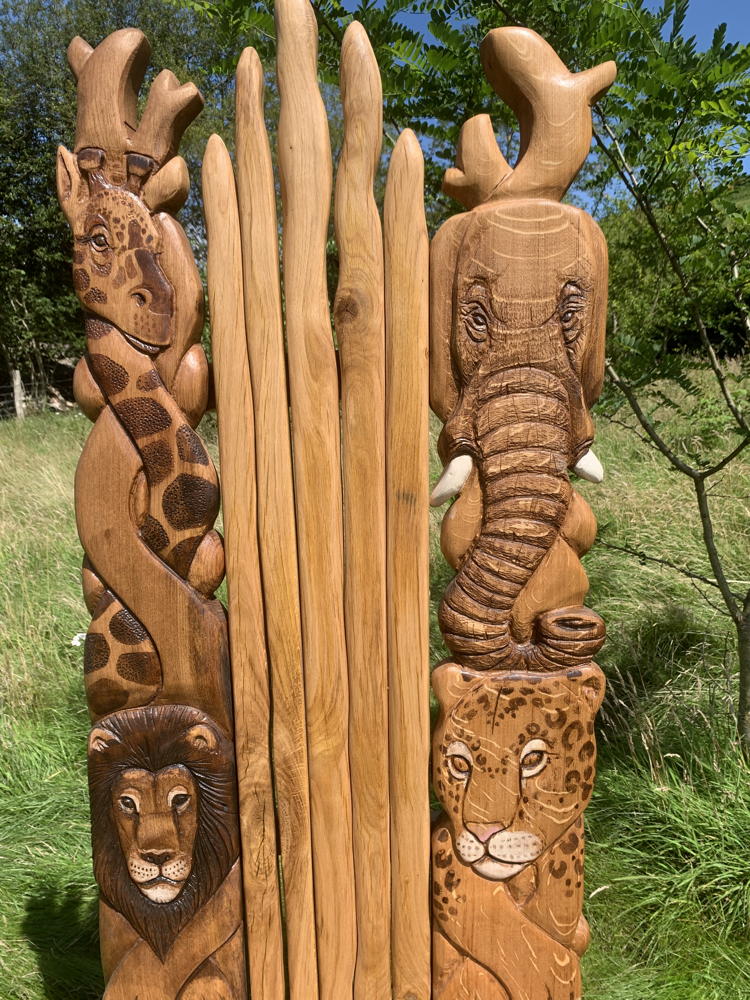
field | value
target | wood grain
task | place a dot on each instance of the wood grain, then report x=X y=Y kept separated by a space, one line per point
x=305 y=169
x=247 y=639
x=406 y=311
x=276 y=524
x=358 y=319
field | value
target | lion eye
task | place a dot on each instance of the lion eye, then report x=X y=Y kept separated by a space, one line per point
x=180 y=801
x=128 y=805
x=459 y=767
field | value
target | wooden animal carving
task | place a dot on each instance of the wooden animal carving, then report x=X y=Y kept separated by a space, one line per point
x=518 y=306
x=165 y=827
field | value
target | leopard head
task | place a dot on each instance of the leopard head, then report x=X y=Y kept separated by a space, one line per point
x=513 y=760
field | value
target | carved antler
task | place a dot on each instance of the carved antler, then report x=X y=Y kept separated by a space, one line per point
x=552 y=106
x=108 y=137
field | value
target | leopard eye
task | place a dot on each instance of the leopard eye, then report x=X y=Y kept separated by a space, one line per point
x=459 y=766
x=534 y=758
x=128 y=805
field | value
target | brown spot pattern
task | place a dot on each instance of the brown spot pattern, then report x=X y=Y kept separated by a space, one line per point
x=157 y=461
x=112 y=378
x=81 y=279
x=97 y=328
x=140 y=668
x=190 y=502
x=190 y=447
x=181 y=556
x=105 y=696
x=149 y=380
x=126 y=628
x=143 y=417
x=95 y=652
x=153 y=534
x=95 y=296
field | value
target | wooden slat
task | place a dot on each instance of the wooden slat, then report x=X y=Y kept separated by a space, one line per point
x=246 y=626
x=406 y=318
x=276 y=525
x=358 y=317
x=305 y=169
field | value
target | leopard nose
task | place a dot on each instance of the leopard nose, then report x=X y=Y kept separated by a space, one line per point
x=483 y=831
x=158 y=858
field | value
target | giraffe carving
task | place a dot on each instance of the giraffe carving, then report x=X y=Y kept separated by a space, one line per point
x=161 y=760
x=518 y=302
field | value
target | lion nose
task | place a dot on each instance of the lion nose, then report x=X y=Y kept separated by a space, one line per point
x=158 y=858
x=483 y=831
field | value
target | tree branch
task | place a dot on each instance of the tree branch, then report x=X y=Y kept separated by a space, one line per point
x=713 y=556
x=645 y=557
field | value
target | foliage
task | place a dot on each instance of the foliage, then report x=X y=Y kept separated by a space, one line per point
x=37 y=112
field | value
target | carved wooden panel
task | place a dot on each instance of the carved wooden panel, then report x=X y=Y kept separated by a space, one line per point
x=161 y=757
x=518 y=301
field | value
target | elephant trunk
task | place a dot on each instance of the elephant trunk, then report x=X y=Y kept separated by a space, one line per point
x=523 y=446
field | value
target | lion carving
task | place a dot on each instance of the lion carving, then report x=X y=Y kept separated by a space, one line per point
x=164 y=816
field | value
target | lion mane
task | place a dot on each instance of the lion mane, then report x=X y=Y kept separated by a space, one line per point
x=152 y=738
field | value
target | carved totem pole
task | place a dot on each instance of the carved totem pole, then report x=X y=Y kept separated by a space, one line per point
x=161 y=759
x=518 y=302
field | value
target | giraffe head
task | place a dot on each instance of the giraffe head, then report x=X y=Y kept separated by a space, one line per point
x=118 y=179
x=117 y=243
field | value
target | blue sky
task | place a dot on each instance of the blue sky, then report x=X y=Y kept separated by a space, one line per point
x=704 y=15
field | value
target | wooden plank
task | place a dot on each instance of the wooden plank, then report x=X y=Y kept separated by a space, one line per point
x=276 y=525
x=305 y=169
x=406 y=319
x=359 y=322
x=246 y=623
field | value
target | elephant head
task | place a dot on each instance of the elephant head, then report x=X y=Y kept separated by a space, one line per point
x=517 y=354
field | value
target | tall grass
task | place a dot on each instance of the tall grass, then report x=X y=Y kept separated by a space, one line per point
x=668 y=870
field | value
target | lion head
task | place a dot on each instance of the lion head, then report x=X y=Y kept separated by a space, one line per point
x=513 y=760
x=164 y=815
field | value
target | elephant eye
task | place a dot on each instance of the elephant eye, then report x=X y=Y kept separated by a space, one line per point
x=477 y=325
x=128 y=805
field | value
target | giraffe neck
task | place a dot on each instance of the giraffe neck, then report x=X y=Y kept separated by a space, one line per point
x=181 y=487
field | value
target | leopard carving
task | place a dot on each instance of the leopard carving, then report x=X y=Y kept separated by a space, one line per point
x=513 y=767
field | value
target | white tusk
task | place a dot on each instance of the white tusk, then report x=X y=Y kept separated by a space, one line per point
x=453 y=479
x=589 y=467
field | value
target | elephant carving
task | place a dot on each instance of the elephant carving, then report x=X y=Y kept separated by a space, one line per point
x=517 y=359
x=518 y=305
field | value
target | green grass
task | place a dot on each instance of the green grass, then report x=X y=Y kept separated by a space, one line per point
x=668 y=870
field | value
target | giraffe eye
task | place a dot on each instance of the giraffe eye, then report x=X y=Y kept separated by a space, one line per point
x=99 y=239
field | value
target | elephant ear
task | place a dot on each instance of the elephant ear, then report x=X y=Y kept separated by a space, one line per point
x=590 y=360
x=589 y=681
x=443 y=263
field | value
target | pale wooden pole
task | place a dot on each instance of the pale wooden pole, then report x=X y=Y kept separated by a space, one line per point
x=305 y=169
x=246 y=620
x=406 y=312
x=358 y=317
x=276 y=525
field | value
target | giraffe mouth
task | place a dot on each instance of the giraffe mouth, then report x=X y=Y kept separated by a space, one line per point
x=141 y=345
